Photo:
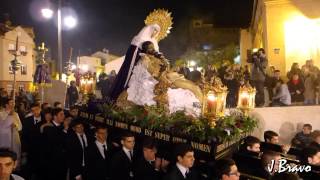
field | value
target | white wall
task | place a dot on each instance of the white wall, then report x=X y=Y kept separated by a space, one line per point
x=286 y=121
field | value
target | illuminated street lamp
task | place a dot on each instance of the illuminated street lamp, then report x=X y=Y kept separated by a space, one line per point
x=69 y=22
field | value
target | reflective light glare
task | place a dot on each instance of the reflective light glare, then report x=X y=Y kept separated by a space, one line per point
x=47 y=13
x=302 y=39
x=70 y=22
x=73 y=67
x=192 y=63
x=211 y=97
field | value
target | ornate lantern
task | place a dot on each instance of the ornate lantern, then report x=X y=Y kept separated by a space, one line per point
x=246 y=100
x=214 y=100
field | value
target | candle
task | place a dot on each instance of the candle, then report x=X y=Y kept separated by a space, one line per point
x=244 y=98
x=244 y=101
x=212 y=103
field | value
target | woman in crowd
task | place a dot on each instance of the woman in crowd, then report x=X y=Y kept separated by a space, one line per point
x=295 y=70
x=296 y=88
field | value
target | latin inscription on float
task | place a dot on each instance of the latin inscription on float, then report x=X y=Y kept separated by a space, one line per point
x=109 y=122
x=201 y=147
x=91 y=117
x=99 y=119
x=121 y=125
x=178 y=140
x=162 y=136
x=84 y=115
x=135 y=129
x=148 y=132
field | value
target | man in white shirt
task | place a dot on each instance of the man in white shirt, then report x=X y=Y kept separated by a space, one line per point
x=122 y=162
x=8 y=162
x=99 y=154
x=77 y=144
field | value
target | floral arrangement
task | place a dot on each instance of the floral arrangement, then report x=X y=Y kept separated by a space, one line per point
x=227 y=128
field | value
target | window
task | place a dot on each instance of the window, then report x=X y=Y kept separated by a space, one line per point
x=23 y=69
x=10 y=69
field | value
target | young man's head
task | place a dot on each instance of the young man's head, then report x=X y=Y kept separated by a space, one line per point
x=101 y=133
x=57 y=104
x=73 y=111
x=252 y=144
x=128 y=140
x=267 y=158
x=185 y=155
x=8 y=160
x=58 y=115
x=9 y=104
x=44 y=106
x=78 y=127
x=279 y=83
x=149 y=149
x=271 y=137
x=226 y=169
x=307 y=128
x=36 y=109
x=311 y=155
x=316 y=136
x=261 y=52
x=47 y=114
x=277 y=74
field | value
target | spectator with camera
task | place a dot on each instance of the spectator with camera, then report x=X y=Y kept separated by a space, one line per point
x=259 y=63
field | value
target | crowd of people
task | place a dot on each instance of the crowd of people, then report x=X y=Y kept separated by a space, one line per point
x=52 y=143
x=300 y=86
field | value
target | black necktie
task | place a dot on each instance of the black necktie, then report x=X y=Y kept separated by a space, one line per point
x=131 y=155
x=104 y=151
x=187 y=174
x=83 y=142
x=152 y=163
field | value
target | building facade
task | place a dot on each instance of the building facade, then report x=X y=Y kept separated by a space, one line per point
x=24 y=75
x=289 y=31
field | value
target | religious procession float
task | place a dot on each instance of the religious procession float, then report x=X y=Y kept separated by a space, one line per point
x=150 y=99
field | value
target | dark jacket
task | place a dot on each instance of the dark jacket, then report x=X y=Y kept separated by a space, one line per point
x=144 y=170
x=55 y=152
x=121 y=166
x=175 y=174
x=293 y=88
x=97 y=166
x=76 y=155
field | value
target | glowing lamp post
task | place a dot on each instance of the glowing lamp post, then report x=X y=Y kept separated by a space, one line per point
x=214 y=101
x=246 y=100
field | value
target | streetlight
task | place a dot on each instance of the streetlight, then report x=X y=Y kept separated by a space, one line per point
x=47 y=13
x=15 y=63
x=69 y=22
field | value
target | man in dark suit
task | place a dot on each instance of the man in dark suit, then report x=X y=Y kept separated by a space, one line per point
x=55 y=148
x=184 y=162
x=77 y=143
x=99 y=154
x=148 y=167
x=122 y=161
x=31 y=141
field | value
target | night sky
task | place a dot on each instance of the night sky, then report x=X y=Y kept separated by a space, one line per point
x=112 y=24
